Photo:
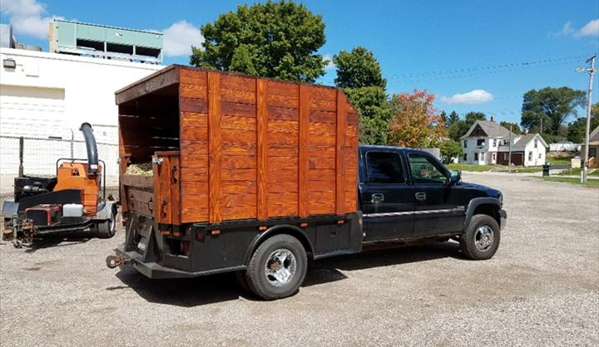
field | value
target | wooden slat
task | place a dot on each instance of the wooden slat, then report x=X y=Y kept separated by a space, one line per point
x=214 y=147
x=304 y=125
x=137 y=181
x=152 y=83
x=262 y=150
x=340 y=154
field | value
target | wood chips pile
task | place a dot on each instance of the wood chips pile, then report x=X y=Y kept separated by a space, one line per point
x=143 y=169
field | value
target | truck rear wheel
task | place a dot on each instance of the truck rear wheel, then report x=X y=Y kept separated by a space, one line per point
x=277 y=268
x=481 y=239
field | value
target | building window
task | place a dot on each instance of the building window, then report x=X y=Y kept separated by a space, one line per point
x=592 y=152
x=465 y=143
x=494 y=142
x=475 y=156
x=536 y=143
x=494 y=156
x=465 y=156
x=530 y=156
x=480 y=142
x=504 y=156
x=539 y=155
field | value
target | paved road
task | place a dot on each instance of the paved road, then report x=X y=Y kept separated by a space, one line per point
x=541 y=289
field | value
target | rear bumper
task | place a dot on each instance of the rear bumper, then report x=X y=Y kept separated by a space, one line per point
x=156 y=271
x=502 y=219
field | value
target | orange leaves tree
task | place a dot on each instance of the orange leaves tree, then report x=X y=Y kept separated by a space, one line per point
x=415 y=122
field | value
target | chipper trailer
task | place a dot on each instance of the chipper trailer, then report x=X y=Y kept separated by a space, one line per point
x=68 y=202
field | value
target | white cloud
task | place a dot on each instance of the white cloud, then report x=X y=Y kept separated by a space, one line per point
x=27 y=17
x=179 y=37
x=330 y=65
x=567 y=29
x=590 y=29
x=477 y=96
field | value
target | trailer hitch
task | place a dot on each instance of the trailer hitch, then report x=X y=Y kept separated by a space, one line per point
x=112 y=261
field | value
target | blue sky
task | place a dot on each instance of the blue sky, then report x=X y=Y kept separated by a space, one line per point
x=474 y=55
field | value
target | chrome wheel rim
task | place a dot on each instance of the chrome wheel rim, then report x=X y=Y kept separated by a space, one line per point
x=280 y=267
x=483 y=238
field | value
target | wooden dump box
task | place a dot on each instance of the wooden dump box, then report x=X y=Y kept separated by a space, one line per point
x=226 y=147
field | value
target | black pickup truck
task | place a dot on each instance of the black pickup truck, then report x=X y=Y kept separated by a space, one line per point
x=405 y=196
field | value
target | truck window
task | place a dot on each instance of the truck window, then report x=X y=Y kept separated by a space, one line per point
x=384 y=167
x=425 y=169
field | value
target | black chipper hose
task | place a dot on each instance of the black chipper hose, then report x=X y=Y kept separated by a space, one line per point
x=92 y=148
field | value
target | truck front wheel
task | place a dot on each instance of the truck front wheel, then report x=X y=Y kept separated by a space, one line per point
x=277 y=268
x=481 y=239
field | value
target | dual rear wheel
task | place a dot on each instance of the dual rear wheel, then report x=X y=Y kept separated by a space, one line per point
x=277 y=268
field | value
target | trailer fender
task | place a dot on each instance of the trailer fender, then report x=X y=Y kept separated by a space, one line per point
x=276 y=230
x=105 y=210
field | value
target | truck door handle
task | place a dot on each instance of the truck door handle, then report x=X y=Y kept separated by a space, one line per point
x=421 y=196
x=377 y=197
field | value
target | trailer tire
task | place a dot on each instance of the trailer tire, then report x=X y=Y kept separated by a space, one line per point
x=107 y=228
x=277 y=268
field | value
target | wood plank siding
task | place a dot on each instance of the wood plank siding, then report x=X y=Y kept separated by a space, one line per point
x=246 y=147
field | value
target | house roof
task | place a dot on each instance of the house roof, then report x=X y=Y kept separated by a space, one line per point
x=525 y=139
x=492 y=129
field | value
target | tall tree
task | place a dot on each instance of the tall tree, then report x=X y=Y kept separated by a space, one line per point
x=359 y=75
x=358 y=68
x=272 y=39
x=472 y=117
x=549 y=108
x=453 y=117
x=414 y=121
x=514 y=127
x=444 y=118
x=577 y=129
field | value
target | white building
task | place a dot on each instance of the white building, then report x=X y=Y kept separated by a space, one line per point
x=48 y=95
x=489 y=143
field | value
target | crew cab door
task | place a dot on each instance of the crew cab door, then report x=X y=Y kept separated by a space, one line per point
x=436 y=211
x=386 y=199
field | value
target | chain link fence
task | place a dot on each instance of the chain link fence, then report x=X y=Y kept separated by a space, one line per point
x=40 y=156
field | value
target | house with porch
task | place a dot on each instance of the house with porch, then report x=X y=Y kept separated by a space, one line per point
x=593 y=148
x=487 y=142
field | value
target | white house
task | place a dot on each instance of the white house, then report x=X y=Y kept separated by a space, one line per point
x=487 y=142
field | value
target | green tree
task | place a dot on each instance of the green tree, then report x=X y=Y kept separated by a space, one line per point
x=453 y=117
x=273 y=39
x=549 y=108
x=450 y=149
x=359 y=75
x=358 y=68
x=472 y=117
x=457 y=129
x=444 y=118
x=514 y=127
x=577 y=129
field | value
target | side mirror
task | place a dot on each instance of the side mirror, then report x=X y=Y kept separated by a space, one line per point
x=455 y=177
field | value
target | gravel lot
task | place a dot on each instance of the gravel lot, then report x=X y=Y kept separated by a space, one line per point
x=541 y=289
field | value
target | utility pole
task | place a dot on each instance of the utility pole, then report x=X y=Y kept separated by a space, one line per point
x=591 y=72
x=509 y=159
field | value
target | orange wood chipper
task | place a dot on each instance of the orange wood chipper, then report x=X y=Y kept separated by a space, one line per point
x=68 y=202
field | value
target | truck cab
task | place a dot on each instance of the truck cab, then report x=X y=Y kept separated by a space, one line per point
x=408 y=194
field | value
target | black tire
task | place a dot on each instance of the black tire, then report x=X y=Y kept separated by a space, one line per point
x=481 y=239
x=107 y=229
x=270 y=279
x=241 y=278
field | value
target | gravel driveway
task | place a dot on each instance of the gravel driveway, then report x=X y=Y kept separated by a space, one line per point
x=541 y=289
